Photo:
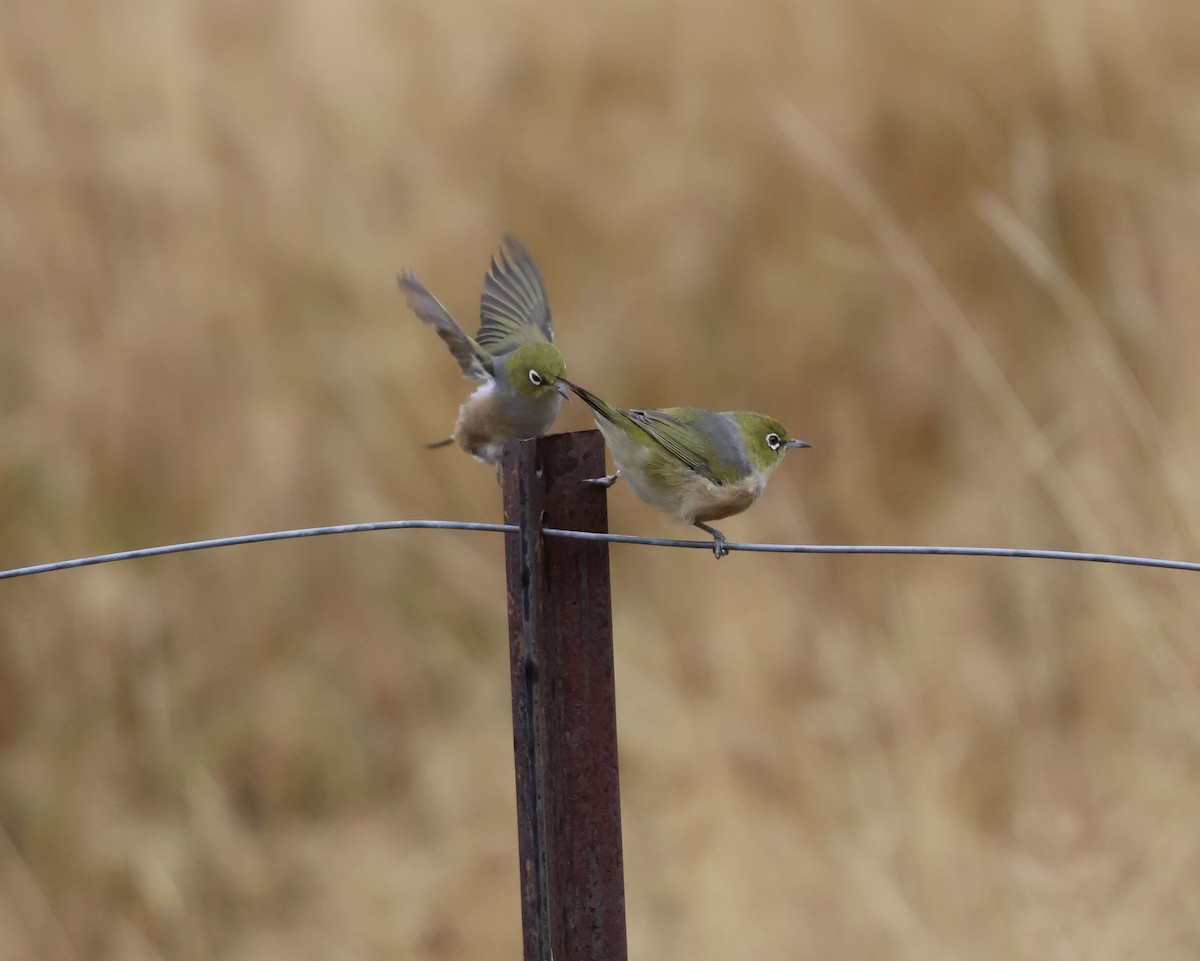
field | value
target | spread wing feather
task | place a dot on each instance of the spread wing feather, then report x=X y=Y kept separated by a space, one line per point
x=473 y=361
x=513 y=310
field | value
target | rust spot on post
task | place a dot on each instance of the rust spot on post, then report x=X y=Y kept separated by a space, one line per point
x=564 y=702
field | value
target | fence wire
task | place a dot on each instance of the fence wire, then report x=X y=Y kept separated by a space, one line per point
x=1079 y=556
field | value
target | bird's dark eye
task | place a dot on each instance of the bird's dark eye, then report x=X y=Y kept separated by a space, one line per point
x=774 y=441
x=535 y=378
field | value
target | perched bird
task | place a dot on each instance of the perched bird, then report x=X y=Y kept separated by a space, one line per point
x=513 y=355
x=696 y=465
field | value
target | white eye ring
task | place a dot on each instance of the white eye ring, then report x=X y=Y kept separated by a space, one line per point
x=535 y=378
x=774 y=441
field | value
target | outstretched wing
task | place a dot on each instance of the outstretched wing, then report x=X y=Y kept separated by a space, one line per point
x=472 y=361
x=680 y=439
x=513 y=309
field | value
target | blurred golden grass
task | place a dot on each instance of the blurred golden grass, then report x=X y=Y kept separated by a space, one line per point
x=953 y=246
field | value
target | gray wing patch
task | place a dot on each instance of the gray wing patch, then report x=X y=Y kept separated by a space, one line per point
x=472 y=361
x=513 y=310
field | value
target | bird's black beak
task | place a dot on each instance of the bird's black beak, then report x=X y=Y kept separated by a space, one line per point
x=560 y=385
x=795 y=442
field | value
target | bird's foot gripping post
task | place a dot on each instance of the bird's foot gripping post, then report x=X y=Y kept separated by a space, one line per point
x=564 y=702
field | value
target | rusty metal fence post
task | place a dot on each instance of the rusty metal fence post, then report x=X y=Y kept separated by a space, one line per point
x=564 y=702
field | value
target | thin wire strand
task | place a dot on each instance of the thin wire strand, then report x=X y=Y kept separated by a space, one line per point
x=888 y=549
x=610 y=538
x=255 y=539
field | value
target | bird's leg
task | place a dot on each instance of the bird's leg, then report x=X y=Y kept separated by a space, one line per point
x=606 y=481
x=719 y=549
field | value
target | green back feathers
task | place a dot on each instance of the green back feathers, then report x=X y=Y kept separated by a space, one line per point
x=513 y=310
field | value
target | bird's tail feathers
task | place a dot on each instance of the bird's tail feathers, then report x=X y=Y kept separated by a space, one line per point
x=602 y=408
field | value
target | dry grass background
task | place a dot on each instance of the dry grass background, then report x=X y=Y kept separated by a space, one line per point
x=953 y=245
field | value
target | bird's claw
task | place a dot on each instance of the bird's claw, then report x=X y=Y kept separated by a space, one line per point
x=607 y=481
x=719 y=548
